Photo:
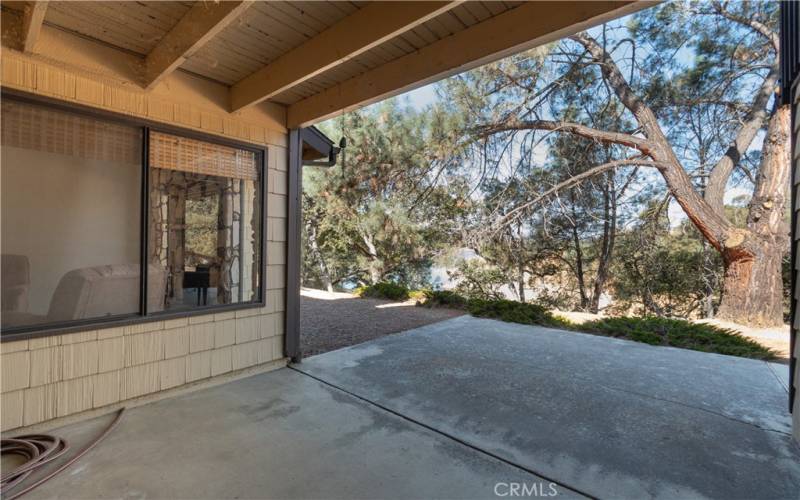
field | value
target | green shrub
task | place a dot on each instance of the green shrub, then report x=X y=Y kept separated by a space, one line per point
x=516 y=312
x=679 y=333
x=650 y=330
x=444 y=298
x=384 y=290
x=418 y=295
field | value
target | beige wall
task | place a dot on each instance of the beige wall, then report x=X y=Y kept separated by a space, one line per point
x=65 y=375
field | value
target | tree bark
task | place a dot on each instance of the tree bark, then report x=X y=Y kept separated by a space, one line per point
x=753 y=283
x=753 y=288
x=375 y=265
x=753 y=121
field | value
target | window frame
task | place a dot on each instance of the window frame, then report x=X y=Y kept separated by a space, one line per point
x=142 y=316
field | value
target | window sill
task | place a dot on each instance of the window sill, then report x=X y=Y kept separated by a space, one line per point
x=103 y=323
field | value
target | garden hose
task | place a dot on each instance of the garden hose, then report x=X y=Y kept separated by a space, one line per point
x=39 y=450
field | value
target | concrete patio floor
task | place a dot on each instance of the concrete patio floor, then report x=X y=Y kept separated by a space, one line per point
x=452 y=409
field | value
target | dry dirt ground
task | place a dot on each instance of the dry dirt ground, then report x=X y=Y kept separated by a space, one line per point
x=774 y=338
x=330 y=321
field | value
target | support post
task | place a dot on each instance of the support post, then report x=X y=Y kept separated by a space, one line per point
x=293 y=251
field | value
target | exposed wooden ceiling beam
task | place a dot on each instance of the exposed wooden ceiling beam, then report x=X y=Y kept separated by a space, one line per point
x=32 y=19
x=199 y=25
x=353 y=35
x=524 y=27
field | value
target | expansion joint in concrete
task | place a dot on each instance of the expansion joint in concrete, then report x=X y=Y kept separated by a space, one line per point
x=445 y=434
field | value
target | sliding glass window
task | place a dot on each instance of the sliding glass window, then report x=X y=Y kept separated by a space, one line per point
x=78 y=228
x=71 y=198
x=205 y=224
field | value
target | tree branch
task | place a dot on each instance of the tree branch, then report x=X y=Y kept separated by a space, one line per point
x=576 y=179
x=711 y=223
x=751 y=23
x=643 y=145
x=753 y=122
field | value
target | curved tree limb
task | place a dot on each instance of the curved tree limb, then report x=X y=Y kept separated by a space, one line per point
x=640 y=143
x=751 y=23
x=711 y=223
x=572 y=181
x=752 y=123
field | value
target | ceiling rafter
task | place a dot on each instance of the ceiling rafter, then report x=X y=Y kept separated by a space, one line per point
x=523 y=27
x=32 y=20
x=28 y=25
x=199 y=25
x=355 y=34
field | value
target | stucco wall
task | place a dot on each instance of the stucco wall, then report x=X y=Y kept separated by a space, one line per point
x=63 y=375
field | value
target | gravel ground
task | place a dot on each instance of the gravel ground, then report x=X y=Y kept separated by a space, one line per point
x=332 y=321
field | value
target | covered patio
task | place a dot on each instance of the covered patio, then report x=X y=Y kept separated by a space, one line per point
x=465 y=408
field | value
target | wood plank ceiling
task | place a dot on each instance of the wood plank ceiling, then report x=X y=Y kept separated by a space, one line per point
x=256 y=35
x=262 y=33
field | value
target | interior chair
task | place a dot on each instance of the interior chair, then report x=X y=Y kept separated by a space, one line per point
x=95 y=292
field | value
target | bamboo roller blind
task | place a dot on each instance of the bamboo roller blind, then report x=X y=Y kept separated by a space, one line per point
x=30 y=126
x=190 y=155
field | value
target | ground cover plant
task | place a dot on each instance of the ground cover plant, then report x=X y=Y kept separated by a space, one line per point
x=679 y=333
x=649 y=329
x=384 y=290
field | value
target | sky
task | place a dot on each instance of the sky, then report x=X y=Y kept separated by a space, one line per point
x=422 y=97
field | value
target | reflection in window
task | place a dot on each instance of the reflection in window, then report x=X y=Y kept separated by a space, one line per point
x=70 y=217
x=204 y=222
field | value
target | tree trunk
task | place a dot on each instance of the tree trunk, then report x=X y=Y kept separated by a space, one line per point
x=375 y=264
x=752 y=291
x=708 y=283
x=576 y=241
x=609 y=233
x=323 y=266
x=753 y=286
x=176 y=217
x=579 y=275
x=224 y=244
x=520 y=240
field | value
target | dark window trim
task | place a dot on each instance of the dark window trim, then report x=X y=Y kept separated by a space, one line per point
x=30 y=332
x=794 y=94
